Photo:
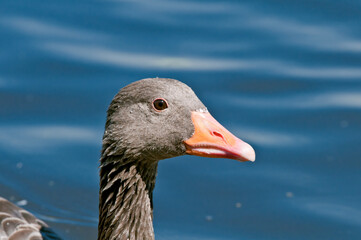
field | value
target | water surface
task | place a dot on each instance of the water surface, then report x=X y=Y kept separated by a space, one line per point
x=283 y=76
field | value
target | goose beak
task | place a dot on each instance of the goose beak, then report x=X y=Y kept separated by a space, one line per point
x=211 y=139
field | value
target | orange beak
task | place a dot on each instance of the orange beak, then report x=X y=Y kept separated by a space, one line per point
x=211 y=139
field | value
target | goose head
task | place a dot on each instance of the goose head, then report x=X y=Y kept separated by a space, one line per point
x=156 y=118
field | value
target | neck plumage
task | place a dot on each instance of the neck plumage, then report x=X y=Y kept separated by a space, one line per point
x=125 y=202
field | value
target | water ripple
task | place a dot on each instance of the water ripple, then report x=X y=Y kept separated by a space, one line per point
x=34 y=27
x=338 y=212
x=138 y=60
x=315 y=37
x=119 y=58
x=178 y=6
x=31 y=139
x=301 y=101
x=263 y=137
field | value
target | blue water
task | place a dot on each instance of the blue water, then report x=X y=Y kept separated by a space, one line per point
x=284 y=76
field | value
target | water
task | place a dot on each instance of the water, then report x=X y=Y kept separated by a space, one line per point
x=283 y=75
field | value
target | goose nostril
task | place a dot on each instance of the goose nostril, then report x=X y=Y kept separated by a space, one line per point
x=217 y=134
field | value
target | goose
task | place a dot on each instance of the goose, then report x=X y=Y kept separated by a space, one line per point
x=147 y=121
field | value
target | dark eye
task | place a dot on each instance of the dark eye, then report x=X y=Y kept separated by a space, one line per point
x=160 y=104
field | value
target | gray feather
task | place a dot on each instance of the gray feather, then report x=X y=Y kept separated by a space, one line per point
x=16 y=223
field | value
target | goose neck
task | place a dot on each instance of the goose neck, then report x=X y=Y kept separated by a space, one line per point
x=125 y=203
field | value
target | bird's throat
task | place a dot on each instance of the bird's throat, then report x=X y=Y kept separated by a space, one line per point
x=125 y=203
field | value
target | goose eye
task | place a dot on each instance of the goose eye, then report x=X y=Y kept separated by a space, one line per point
x=160 y=104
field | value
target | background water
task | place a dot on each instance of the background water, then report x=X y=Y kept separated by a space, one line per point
x=284 y=76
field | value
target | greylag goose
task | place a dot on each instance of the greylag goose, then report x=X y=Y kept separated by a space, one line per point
x=147 y=121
